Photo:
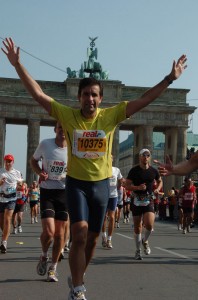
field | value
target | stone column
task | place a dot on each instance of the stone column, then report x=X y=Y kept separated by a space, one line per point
x=181 y=152
x=33 y=137
x=143 y=138
x=171 y=141
x=115 y=148
x=2 y=140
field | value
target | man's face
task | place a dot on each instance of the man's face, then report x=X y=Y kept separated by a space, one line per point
x=8 y=164
x=90 y=99
x=145 y=158
x=189 y=182
x=59 y=131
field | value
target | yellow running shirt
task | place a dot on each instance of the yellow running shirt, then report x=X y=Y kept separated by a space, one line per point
x=89 y=141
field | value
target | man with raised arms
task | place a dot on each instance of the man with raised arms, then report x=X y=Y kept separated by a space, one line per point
x=89 y=132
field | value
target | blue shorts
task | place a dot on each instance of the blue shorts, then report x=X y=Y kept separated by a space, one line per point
x=7 y=205
x=87 y=201
x=112 y=204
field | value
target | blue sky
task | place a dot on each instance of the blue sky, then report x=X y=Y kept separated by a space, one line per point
x=137 y=42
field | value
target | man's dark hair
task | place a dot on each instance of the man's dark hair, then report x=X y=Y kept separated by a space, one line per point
x=89 y=81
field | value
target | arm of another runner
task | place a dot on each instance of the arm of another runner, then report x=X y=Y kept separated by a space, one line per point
x=13 y=55
x=182 y=168
x=153 y=93
x=130 y=187
x=159 y=186
x=36 y=168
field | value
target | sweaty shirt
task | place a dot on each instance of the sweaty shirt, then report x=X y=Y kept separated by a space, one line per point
x=8 y=188
x=113 y=182
x=54 y=163
x=89 y=141
x=188 y=196
x=139 y=176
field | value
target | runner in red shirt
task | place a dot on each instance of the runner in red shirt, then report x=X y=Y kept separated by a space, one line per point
x=188 y=195
x=17 y=216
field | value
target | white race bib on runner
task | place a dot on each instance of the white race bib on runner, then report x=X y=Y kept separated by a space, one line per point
x=112 y=181
x=56 y=169
x=89 y=143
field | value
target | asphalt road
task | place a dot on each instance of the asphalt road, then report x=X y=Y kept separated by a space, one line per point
x=170 y=272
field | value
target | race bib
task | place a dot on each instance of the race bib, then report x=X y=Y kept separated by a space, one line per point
x=56 y=169
x=188 y=196
x=10 y=190
x=34 y=196
x=112 y=181
x=19 y=194
x=89 y=143
x=141 y=201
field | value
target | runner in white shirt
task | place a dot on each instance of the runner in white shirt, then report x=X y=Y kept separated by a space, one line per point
x=54 y=216
x=9 y=177
x=114 y=182
x=121 y=198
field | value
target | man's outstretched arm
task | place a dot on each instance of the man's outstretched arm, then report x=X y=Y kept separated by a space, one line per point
x=153 y=93
x=13 y=55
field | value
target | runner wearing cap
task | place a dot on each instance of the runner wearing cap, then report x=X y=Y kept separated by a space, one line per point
x=9 y=177
x=140 y=180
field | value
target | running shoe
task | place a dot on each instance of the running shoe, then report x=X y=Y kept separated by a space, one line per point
x=61 y=256
x=138 y=255
x=188 y=229
x=36 y=220
x=109 y=244
x=70 y=284
x=3 y=248
x=52 y=275
x=179 y=227
x=77 y=295
x=66 y=249
x=104 y=242
x=42 y=265
x=20 y=229
x=124 y=220
x=184 y=231
x=14 y=230
x=67 y=246
x=118 y=225
x=32 y=220
x=147 y=249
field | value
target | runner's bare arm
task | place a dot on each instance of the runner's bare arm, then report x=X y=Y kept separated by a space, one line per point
x=13 y=55
x=153 y=93
x=182 y=168
x=131 y=187
x=36 y=168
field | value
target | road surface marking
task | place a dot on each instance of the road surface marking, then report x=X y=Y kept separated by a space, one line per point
x=172 y=252
x=127 y=237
